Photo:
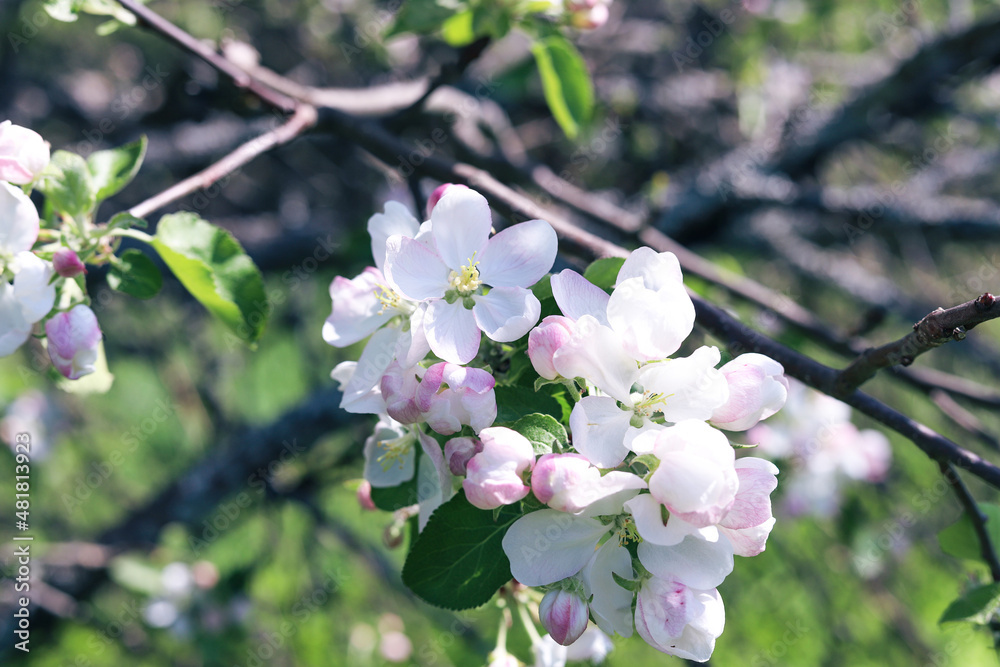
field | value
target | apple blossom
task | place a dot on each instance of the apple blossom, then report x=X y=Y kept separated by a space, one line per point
x=564 y=614
x=458 y=451
x=450 y=273
x=445 y=396
x=24 y=302
x=757 y=390
x=23 y=154
x=73 y=340
x=495 y=476
x=593 y=645
x=543 y=342
x=438 y=193
x=679 y=620
x=749 y=520
x=18 y=222
x=569 y=483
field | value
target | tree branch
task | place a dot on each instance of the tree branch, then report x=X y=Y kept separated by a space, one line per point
x=979 y=519
x=934 y=330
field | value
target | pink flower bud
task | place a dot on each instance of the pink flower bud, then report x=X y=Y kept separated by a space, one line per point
x=438 y=193
x=451 y=395
x=495 y=476
x=564 y=614
x=545 y=340
x=23 y=154
x=74 y=338
x=67 y=264
x=564 y=481
x=457 y=453
x=590 y=18
x=365 y=495
x=757 y=389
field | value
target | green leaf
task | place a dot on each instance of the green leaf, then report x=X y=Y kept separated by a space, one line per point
x=543 y=288
x=113 y=169
x=392 y=498
x=458 y=561
x=212 y=265
x=604 y=272
x=542 y=431
x=420 y=16
x=516 y=402
x=959 y=539
x=976 y=606
x=67 y=184
x=125 y=220
x=63 y=10
x=135 y=274
x=566 y=82
x=457 y=30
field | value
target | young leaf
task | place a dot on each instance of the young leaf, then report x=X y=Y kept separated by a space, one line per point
x=976 y=606
x=113 y=169
x=392 y=498
x=604 y=272
x=542 y=431
x=458 y=561
x=959 y=539
x=419 y=16
x=67 y=184
x=457 y=30
x=136 y=275
x=212 y=265
x=566 y=82
x=516 y=402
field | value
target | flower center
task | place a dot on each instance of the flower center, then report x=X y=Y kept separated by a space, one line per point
x=395 y=450
x=466 y=281
x=388 y=298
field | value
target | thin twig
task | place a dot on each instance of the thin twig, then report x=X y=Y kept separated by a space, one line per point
x=151 y=19
x=934 y=330
x=963 y=418
x=978 y=518
x=303 y=119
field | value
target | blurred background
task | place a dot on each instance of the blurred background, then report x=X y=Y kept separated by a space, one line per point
x=203 y=511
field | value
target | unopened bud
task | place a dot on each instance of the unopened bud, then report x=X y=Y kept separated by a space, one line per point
x=67 y=264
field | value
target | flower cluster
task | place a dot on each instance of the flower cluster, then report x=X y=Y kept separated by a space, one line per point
x=632 y=523
x=824 y=449
x=32 y=274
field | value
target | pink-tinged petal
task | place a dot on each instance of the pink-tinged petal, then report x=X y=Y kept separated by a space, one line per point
x=67 y=263
x=396 y=219
x=414 y=270
x=495 y=476
x=399 y=388
x=748 y=541
x=611 y=604
x=438 y=193
x=23 y=154
x=599 y=426
x=458 y=451
x=461 y=222
x=752 y=506
x=652 y=323
x=543 y=342
x=648 y=515
x=569 y=483
x=757 y=390
x=357 y=312
x=696 y=478
x=452 y=332
x=547 y=546
x=412 y=345
x=73 y=341
x=31 y=285
x=642 y=440
x=657 y=269
x=691 y=387
x=18 y=220
x=594 y=352
x=506 y=313
x=451 y=395
x=519 y=256
x=679 y=620
x=564 y=614
x=576 y=296
x=695 y=562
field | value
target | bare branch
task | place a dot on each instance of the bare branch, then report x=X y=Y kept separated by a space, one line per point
x=934 y=330
x=988 y=550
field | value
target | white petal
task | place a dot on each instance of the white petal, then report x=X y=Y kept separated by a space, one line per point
x=655 y=269
x=506 y=313
x=357 y=312
x=397 y=219
x=577 y=296
x=653 y=324
x=452 y=332
x=31 y=286
x=694 y=562
x=646 y=510
x=594 y=352
x=612 y=604
x=414 y=270
x=692 y=388
x=461 y=222
x=18 y=220
x=14 y=329
x=519 y=256
x=598 y=426
x=547 y=546
x=412 y=345
x=612 y=491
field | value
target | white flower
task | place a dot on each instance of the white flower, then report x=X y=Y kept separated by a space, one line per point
x=679 y=620
x=450 y=272
x=25 y=302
